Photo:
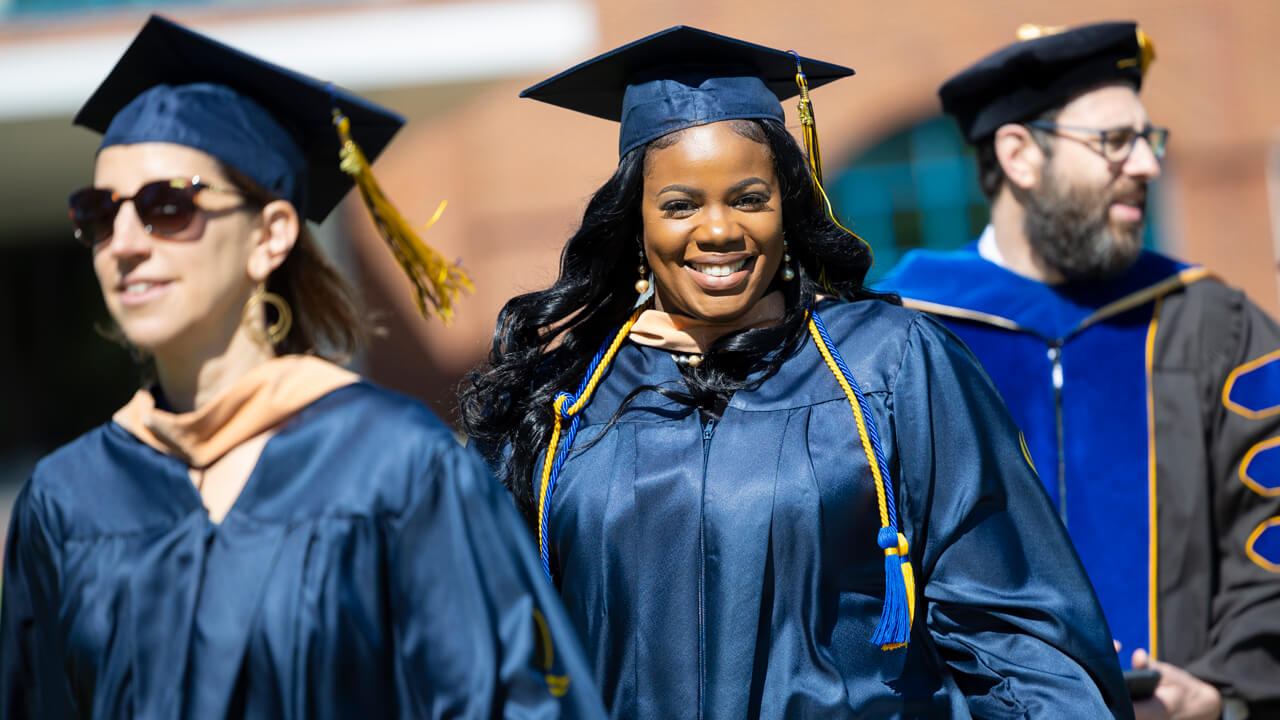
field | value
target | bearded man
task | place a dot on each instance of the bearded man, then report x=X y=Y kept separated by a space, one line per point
x=1148 y=391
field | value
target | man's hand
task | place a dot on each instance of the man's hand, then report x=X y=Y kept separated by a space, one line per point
x=1179 y=696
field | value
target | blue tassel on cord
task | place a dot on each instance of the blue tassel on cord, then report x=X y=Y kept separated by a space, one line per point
x=895 y=617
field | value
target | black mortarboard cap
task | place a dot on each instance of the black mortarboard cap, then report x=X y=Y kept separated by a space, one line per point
x=1023 y=80
x=678 y=78
x=268 y=122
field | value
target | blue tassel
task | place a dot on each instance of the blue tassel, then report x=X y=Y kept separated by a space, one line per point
x=895 y=616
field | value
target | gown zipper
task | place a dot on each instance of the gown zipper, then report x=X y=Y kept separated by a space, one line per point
x=708 y=430
x=1055 y=358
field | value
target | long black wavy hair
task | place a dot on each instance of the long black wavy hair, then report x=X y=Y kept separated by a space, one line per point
x=545 y=340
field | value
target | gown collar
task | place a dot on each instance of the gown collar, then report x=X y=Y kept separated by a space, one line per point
x=263 y=398
x=681 y=333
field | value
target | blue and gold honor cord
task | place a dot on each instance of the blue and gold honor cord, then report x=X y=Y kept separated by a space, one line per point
x=569 y=407
x=898 y=611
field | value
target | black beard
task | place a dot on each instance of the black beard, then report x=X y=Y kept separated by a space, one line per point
x=1068 y=229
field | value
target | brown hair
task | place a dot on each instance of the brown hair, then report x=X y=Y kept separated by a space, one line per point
x=326 y=321
x=990 y=174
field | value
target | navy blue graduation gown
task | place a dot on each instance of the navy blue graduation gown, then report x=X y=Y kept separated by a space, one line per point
x=370 y=568
x=730 y=569
x=1151 y=406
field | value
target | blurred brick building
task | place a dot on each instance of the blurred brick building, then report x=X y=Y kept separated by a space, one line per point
x=517 y=173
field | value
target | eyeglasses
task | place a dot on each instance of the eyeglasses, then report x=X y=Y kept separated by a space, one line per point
x=1116 y=145
x=166 y=207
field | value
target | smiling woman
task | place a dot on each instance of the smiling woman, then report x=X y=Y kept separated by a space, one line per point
x=247 y=537
x=712 y=217
x=767 y=491
x=177 y=297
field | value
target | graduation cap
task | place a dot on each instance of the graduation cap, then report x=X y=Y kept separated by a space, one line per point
x=301 y=139
x=679 y=78
x=682 y=77
x=1045 y=70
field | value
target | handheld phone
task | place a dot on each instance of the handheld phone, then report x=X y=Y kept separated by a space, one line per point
x=1141 y=683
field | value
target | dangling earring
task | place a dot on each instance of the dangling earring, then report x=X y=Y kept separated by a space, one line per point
x=642 y=285
x=787 y=273
x=278 y=330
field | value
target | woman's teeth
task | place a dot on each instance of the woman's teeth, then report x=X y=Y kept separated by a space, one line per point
x=138 y=288
x=720 y=270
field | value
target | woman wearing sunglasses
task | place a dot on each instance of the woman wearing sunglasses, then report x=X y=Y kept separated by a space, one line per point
x=762 y=490
x=259 y=533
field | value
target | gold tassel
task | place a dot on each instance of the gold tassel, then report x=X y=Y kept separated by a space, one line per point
x=1146 y=51
x=809 y=132
x=437 y=281
x=809 y=126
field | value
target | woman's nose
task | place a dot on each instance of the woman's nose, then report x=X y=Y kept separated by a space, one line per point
x=717 y=226
x=129 y=235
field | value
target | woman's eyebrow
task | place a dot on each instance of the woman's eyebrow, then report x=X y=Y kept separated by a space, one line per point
x=746 y=183
x=680 y=188
x=737 y=187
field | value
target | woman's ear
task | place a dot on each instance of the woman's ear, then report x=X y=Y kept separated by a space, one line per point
x=1019 y=154
x=279 y=232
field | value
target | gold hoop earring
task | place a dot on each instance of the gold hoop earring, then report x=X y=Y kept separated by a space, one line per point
x=642 y=285
x=787 y=273
x=278 y=330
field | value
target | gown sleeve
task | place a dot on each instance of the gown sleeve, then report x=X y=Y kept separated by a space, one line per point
x=1243 y=656
x=1005 y=598
x=480 y=631
x=31 y=681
